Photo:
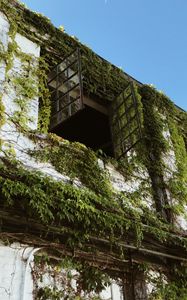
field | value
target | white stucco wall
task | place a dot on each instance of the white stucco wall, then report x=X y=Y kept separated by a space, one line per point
x=4 y=28
x=9 y=133
x=15 y=275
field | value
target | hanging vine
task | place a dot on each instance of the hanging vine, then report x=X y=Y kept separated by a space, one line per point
x=94 y=208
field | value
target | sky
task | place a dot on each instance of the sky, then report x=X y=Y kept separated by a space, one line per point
x=146 y=38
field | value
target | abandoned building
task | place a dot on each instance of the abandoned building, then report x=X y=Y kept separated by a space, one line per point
x=93 y=173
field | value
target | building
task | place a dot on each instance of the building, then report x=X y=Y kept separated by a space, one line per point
x=93 y=173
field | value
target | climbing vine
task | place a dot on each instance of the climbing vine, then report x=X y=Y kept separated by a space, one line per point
x=168 y=287
x=86 y=205
x=72 y=279
x=25 y=83
x=76 y=161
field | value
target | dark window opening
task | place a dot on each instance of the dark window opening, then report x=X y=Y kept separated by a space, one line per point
x=88 y=126
x=82 y=118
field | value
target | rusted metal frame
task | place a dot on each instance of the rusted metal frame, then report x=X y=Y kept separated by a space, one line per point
x=128 y=124
x=62 y=108
x=116 y=122
x=65 y=106
x=60 y=99
x=127 y=111
x=69 y=66
x=65 y=94
x=111 y=115
x=136 y=108
x=123 y=142
x=59 y=73
x=121 y=137
x=129 y=120
x=67 y=79
x=129 y=134
x=68 y=86
x=128 y=149
x=129 y=108
x=68 y=55
x=80 y=77
x=119 y=123
x=57 y=91
x=121 y=103
x=119 y=131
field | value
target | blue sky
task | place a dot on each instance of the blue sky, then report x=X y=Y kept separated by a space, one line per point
x=147 y=38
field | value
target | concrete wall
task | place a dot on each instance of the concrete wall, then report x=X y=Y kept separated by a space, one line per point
x=15 y=273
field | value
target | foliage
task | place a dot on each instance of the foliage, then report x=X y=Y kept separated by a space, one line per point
x=69 y=279
x=85 y=211
x=158 y=112
x=164 y=288
x=76 y=161
x=178 y=182
x=92 y=208
x=25 y=82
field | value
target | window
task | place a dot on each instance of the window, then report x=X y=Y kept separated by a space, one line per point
x=112 y=127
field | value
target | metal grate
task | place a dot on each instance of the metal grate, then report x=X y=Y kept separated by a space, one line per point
x=65 y=85
x=125 y=122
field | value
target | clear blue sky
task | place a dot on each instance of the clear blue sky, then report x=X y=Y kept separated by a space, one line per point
x=147 y=38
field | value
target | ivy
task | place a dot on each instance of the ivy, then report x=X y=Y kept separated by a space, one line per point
x=159 y=111
x=164 y=287
x=2 y=111
x=178 y=183
x=25 y=82
x=76 y=161
x=86 y=211
x=88 y=280
x=93 y=208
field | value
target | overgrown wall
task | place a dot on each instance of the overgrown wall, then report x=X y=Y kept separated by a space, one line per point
x=114 y=217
